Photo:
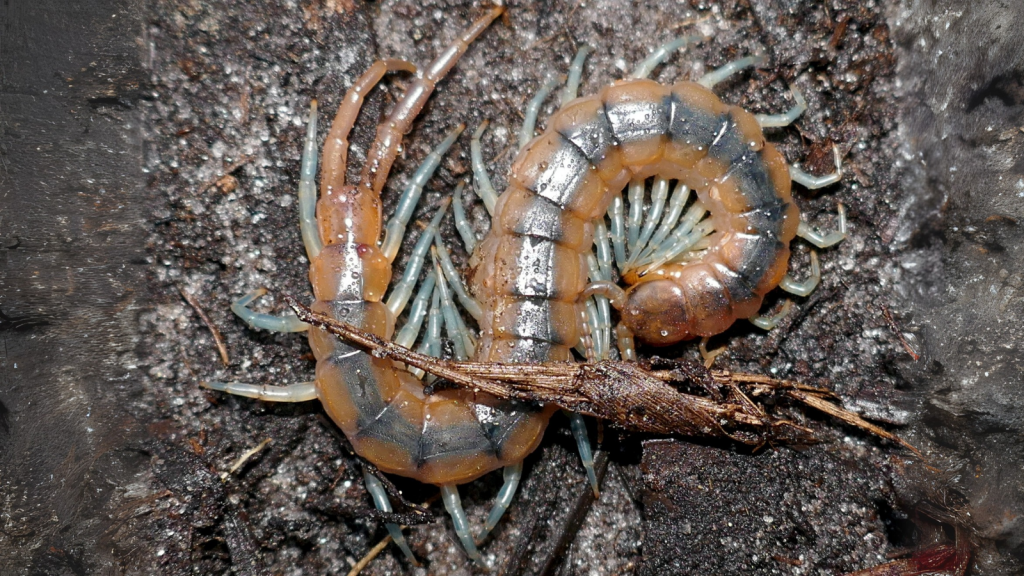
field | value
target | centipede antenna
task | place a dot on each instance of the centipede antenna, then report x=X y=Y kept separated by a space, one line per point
x=637 y=189
x=805 y=287
x=455 y=279
x=715 y=76
x=593 y=322
x=400 y=294
x=618 y=230
x=452 y=502
x=786 y=118
x=301 y=392
x=572 y=85
x=380 y=500
x=660 y=54
x=395 y=229
x=579 y=431
x=461 y=222
x=417 y=313
x=287 y=323
x=533 y=109
x=512 y=474
x=307 y=190
x=481 y=181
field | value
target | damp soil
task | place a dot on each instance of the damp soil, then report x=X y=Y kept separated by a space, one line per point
x=222 y=95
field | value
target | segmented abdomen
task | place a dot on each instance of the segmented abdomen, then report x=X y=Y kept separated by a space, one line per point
x=533 y=263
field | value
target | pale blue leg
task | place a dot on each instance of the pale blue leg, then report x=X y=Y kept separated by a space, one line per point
x=301 y=392
x=307 y=190
x=812 y=182
x=572 y=86
x=417 y=313
x=270 y=322
x=603 y=247
x=484 y=188
x=686 y=236
x=635 y=216
x=601 y=327
x=461 y=222
x=402 y=291
x=430 y=344
x=618 y=231
x=533 y=109
x=680 y=195
x=380 y=500
x=807 y=286
x=824 y=240
x=643 y=70
x=460 y=340
x=579 y=431
x=512 y=474
x=770 y=322
x=467 y=301
x=452 y=502
x=786 y=118
x=395 y=229
x=716 y=76
x=659 y=195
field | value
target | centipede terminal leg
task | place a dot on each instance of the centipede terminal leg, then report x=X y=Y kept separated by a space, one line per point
x=380 y=500
x=287 y=323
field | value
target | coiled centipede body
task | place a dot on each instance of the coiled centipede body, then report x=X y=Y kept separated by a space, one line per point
x=540 y=289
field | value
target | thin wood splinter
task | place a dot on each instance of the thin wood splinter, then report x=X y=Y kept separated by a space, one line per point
x=636 y=396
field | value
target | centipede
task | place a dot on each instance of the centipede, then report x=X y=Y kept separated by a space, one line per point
x=659 y=202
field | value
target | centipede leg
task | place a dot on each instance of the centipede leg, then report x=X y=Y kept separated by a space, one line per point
x=453 y=276
x=452 y=503
x=533 y=109
x=301 y=392
x=644 y=69
x=805 y=287
x=786 y=118
x=481 y=181
x=462 y=224
x=770 y=322
x=659 y=196
x=262 y=321
x=579 y=431
x=395 y=229
x=572 y=85
x=824 y=240
x=400 y=294
x=380 y=500
x=627 y=346
x=512 y=474
x=636 y=192
x=715 y=76
x=617 y=232
x=812 y=182
x=417 y=313
x=457 y=331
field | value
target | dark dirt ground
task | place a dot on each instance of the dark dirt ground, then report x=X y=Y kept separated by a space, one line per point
x=156 y=151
